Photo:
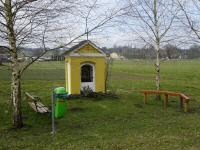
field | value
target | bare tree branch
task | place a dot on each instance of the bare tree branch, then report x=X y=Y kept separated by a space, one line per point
x=189 y=19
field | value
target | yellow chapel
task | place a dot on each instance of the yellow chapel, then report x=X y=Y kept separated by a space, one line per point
x=85 y=67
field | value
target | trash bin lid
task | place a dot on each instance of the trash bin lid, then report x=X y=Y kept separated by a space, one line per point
x=62 y=96
x=60 y=90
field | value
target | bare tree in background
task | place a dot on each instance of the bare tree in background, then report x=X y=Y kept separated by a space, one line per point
x=153 y=22
x=172 y=51
x=33 y=22
x=1 y=63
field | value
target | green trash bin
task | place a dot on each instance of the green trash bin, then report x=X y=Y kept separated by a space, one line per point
x=60 y=96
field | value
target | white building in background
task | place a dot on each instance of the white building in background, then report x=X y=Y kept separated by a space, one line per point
x=117 y=56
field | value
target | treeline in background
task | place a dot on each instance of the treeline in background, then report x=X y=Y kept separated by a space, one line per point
x=167 y=52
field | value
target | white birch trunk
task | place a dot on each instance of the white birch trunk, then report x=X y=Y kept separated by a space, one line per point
x=158 y=68
x=16 y=96
x=16 y=75
x=157 y=39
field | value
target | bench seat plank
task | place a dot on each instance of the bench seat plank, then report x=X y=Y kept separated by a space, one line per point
x=36 y=105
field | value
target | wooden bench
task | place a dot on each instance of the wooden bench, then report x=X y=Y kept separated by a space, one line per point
x=36 y=105
x=184 y=100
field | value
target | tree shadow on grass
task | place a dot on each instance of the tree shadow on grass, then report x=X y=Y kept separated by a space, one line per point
x=77 y=109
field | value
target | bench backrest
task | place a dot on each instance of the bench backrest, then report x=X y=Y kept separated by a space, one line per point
x=165 y=93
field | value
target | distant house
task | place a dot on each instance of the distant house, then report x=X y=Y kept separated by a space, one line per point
x=117 y=56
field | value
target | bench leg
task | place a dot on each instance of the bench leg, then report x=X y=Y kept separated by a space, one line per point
x=166 y=101
x=145 y=98
x=186 y=106
x=181 y=102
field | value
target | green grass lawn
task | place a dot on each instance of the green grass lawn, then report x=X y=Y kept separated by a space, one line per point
x=107 y=124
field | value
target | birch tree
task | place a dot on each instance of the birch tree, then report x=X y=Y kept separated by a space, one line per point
x=38 y=22
x=152 y=22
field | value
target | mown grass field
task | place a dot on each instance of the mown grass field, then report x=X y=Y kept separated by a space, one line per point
x=107 y=124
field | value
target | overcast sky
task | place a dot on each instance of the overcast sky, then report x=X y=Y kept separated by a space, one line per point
x=121 y=30
x=71 y=22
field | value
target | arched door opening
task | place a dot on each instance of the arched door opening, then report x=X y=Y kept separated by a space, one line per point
x=87 y=76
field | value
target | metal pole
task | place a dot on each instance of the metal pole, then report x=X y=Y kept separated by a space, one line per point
x=52 y=113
